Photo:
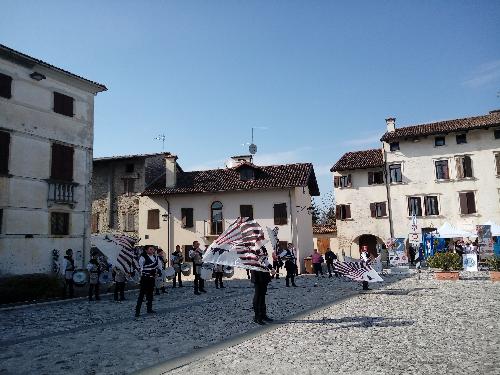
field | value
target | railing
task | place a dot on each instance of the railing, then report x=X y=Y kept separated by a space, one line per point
x=62 y=192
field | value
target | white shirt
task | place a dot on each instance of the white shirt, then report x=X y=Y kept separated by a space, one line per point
x=142 y=260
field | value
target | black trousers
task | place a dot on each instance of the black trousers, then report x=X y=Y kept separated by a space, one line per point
x=330 y=267
x=94 y=290
x=147 y=289
x=199 y=283
x=259 y=301
x=69 y=286
x=276 y=266
x=318 y=268
x=290 y=275
x=120 y=288
x=365 y=285
x=218 y=279
x=177 y=275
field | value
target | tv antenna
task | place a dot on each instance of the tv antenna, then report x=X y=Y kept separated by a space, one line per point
x=162 y=138
x=253 y=147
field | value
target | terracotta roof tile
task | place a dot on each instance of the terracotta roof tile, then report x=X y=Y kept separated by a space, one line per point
x=228 y=179
x=359 y=160
x=324 y=229
x=443 y=127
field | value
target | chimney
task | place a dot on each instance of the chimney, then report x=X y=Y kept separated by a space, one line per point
x=170 y=171
x=494 y=111
x=391 y=124
x=234 y=161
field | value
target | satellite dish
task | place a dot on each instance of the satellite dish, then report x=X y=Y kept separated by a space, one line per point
x=252 y=149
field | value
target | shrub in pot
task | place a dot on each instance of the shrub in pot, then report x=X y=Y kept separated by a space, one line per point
x=449 y=263
x=494 y=266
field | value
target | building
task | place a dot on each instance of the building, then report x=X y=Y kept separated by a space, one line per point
x=181 y=207
x=117 y=183
x=324 y=237
x=446 y=171
x=46 y=139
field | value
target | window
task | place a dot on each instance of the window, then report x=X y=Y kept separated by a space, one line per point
x=280 y=214
x=461 y=138
x=467 y=203
x=153 y=219
x=187 y=217
x=378 y=209
x=431 y=205
x=128 y=186
x=439 y=141
x=4 y=152
x=464 y=166
x=375 y=178
x=5 y=86
x=343 y=211
x=496 y=133
x=1 y=219
x=59 y=223
x=342 y=181
x=497 y=163
x=247 y=174
x=246 y=210
x=395 y=173
x=442 y=172
x=128 y=220
x=129 y=168
x=95 y=223
x=216 y=218
x=414 y=206
x=394 y=146
x=62 y=163
x=63 y=104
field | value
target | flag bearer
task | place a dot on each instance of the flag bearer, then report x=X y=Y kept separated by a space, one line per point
x=149 y=266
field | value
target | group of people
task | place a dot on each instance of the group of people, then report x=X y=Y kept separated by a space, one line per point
x=318 y=260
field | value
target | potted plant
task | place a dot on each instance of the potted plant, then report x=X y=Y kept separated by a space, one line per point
x=448 y=263
x=494 y=266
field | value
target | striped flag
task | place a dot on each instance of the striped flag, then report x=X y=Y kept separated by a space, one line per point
x=240 y=245
x=357 y=270
x=119 y=249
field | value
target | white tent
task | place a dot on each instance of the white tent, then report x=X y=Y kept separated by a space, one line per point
x=449 y=231
x=495 y=228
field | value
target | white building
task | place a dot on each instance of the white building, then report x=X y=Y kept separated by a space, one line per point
x=46 y=138
x=445 y=171
x=181 y=207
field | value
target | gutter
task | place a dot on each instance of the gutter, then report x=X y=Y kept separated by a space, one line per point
x=388 y=192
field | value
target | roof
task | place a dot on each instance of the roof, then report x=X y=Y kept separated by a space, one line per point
x=324 y=229
x=124 y=157
x=443 y=127
x=228 y=179
x=26 y=60
x=359 y=160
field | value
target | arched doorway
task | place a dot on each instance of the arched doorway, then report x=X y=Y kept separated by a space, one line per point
x=368 y=240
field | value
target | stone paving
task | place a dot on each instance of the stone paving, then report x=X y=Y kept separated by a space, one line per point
x=402 y=326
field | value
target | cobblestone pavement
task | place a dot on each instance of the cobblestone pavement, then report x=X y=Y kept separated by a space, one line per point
x=409 y=327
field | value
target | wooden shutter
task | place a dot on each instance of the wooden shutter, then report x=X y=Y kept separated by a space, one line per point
x=131 y=221
x=246 y=210
x=4 y=152
x=347 y=211
x=5 y=86
x=467 y=166
x=63 y=104
x=471 y=203
x=370 y=178
x=95 y=223
x=62 y=162
x=446 y=172
x=427 y=203
x=349 y=183
x=373 y=209
x=153 y=219
x=463 y=203
x=497 y=161
x=336 y=181
x=383 y=208
x=280 y=214
x=460 y=167
x=187 y=217
x=337 y=211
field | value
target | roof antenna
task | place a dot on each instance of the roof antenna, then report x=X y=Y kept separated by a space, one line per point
x=162 y=138
x=252 y=148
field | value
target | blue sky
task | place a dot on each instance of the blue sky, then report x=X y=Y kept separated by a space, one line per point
x=317 y=78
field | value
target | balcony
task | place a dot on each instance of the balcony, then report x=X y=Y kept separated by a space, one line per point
x=61 y=193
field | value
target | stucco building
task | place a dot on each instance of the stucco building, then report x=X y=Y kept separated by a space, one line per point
x=181 y=207
x=446 y=171
x=46 y=140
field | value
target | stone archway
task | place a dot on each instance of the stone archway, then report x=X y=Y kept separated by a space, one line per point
x=368 y=240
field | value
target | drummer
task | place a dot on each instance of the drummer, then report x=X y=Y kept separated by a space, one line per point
x=120 y=277
x=196 y=254
x=94 y=269
x=67 y=269
x=160 y=281
x=149 y=268
x=177 y=258
x=219 y=272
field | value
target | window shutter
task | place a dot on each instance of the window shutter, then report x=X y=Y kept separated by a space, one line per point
x=62 y=162
x=95 y=223
x=373 y=209
x=336 y=181
x=463 y=203
x=471 y=204
x=419 y=206
x=467 y=166
x=446 y=172
x=337 y=211
x=153 y=219
x=4 y=152
x=187 y=217
x=280 y=214
x=460 y=167
x=370 y=178
x=246 y=210
x=426 y=206
x=347 y=211
x=497 y=160
x=131 y=221
x=349 y=183
x=383 y=208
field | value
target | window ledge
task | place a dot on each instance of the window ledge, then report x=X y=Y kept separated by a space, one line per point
x=475 y=214
x=398 y=183
x=8 y=175
x=350 y=219
x=466 y=179
x=381 y=217
x=440 y=181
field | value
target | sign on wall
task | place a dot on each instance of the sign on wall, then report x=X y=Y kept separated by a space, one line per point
x=414 y=233
x=469 y=262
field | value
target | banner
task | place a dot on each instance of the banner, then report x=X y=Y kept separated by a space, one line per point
x=397 y=253
x=484 y=239
x=414 y=233
x=470 y=262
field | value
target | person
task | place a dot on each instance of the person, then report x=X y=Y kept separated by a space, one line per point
x=330 y=257
x=289 y=256
x=67 y=269
x=364 y=258
x=159 y=281
x=219 y=272
x=94 y=269
x=277 y=262
x=149 y=267
x=261 y=279
x=177 y=258
x=119 y=276
x=317 y=261
x=196 y=255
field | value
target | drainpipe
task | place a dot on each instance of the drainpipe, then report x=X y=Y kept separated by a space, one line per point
x=388 y=191
x=168 y=234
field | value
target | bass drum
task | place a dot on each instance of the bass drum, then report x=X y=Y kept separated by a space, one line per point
x=228 y=271
x=207 y=270
x=80 y=277
x=168 y=273
x=105 y=278
x=186 y=269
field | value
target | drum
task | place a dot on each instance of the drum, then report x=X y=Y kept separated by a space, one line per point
x=168 y=273
x=186 y=269
x=207 y=270
x=105 y=278
x=80 y=277
x=228 y=271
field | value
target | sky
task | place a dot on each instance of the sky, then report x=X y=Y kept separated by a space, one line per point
x=314 y=78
